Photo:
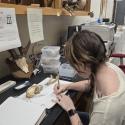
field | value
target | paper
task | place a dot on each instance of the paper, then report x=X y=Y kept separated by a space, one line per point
x=18 y=112
x=9 y=36
x=35 y=24
x=45 y=97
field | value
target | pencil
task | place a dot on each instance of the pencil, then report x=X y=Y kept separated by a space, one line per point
x=58 y=84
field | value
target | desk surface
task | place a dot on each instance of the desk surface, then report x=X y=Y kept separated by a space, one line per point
x=53 y=114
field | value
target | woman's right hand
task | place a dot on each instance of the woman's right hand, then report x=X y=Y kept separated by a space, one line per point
x=60 y=89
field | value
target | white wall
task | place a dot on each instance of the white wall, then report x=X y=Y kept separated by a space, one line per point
x=108 y=9
x=95 y=7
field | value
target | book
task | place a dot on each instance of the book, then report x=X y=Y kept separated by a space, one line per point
x=14 y=111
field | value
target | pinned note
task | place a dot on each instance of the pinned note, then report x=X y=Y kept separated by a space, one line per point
x=9 y=35
x=35 y=24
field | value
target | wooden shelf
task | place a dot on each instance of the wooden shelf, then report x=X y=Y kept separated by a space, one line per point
x=74 y=13
x=22 y=9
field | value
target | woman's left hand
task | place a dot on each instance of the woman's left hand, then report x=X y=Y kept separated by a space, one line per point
x=65 y=102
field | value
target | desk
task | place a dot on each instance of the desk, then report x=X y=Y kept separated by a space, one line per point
x=56 y=115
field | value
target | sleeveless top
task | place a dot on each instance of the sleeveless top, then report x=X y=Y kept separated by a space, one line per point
x=110 y=110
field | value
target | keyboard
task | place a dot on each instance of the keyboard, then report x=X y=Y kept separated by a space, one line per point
x=5 y=86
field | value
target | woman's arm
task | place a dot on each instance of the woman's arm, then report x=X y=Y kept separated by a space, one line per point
x=66 y=103
x=75 y=120
x=78 y=86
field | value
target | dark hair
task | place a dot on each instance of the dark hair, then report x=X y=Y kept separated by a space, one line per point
x=85 y=47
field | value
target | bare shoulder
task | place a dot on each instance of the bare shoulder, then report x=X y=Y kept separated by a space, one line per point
x=108 y=80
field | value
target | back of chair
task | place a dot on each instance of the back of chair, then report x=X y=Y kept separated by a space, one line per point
x=121 y=57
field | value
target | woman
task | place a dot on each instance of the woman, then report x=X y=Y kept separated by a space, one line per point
x=86 y=52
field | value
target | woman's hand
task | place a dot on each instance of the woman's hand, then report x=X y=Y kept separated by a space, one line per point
x=60 y=89
x=65 y=102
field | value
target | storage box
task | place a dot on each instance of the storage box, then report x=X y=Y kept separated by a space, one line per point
x=50 y=60
x=51 y=68
x=50 y=51
x=65 y=70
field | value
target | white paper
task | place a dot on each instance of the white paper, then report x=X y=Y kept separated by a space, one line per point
x=9 y=36
x=35 y=24
x=45 y=97
x=18 y=112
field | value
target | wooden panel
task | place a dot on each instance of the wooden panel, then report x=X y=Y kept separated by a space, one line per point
x=4 y=1
x=74 y=13
x=51 y=11
x=13 y=1
x=26 y=2
x=22 y=9
x=58 y=4
x=88 y=4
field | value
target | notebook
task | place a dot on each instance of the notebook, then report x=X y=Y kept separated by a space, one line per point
x=18 y=112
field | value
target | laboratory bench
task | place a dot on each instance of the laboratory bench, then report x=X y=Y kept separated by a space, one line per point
x=56 y=115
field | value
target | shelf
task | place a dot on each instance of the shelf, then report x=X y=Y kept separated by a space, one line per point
x=75 y=13
x=22 y=9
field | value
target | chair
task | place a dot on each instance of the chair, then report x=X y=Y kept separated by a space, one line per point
x=121 y=57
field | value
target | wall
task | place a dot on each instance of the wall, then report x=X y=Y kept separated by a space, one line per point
x=107 y=11
x=53 y=27
x=95 y=8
